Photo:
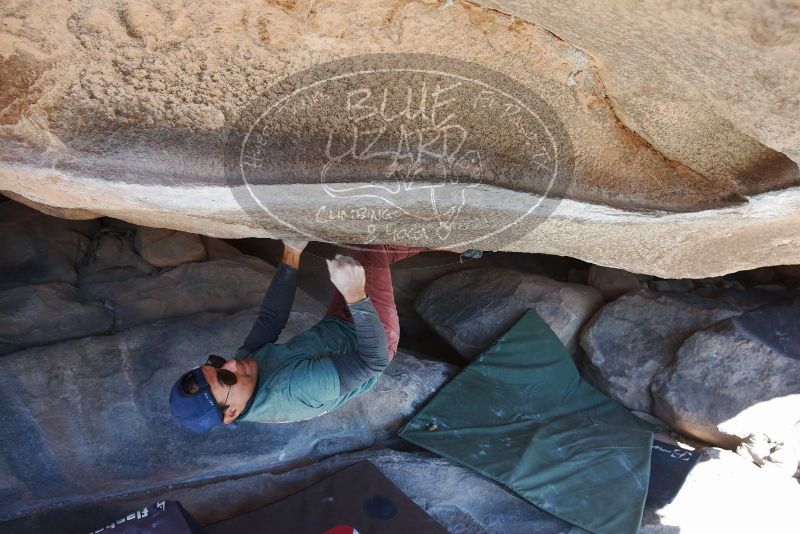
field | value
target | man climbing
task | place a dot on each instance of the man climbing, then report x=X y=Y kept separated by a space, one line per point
x=317 y=370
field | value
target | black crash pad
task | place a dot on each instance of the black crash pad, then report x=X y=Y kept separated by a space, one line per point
x=669 y=467
x=357 y=499
x=163 y=517
x=521 y=415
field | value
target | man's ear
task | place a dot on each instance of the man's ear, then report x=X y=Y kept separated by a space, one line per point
x=230 y=415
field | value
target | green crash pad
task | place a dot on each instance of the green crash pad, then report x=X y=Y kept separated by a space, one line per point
x=521 y=415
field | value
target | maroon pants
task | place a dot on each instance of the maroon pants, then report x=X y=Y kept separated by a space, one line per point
x=376 y=260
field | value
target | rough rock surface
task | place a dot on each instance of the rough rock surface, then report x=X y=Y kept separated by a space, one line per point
x=410 y=278
x=776 y=325
x=91 y=420
x=37 y=249
x=629 y=341
x=218 y=286
x=122 y=110
x=613 y=283
x=168 y=248
x=218 y=249
x=46 y=313
x=471 y=309
x=724 y=493
x=728 y=88
x=112 y=257
x=726 y=384
x=459 y=499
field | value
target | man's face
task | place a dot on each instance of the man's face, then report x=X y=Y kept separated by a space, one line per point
x=246 y=372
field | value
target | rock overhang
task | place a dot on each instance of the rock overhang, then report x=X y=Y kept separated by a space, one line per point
x=134 y=117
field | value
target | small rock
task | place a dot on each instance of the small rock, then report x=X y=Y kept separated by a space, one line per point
x=471 y=309
x=764 y=451
x=219 y=249
x=112 y=257
x=613 y=282
x=42 y=314
x=630 y=340
x=168 y=248
x=726 y=384
x=578 y=276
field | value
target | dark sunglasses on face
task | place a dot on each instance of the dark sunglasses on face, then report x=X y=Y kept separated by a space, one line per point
x=223 y=375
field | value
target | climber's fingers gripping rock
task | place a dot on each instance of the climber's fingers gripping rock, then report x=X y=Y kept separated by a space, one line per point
x=296 y=245
x=348 y=277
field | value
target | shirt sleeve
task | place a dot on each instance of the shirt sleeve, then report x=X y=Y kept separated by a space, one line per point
x=372 y=353
x=274 y=311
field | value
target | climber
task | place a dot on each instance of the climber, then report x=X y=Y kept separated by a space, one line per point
x=316 y=371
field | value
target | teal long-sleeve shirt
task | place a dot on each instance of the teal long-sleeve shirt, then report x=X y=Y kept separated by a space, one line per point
x=317 y=370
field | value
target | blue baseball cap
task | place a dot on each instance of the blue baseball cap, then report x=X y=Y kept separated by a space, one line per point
x=196 y=411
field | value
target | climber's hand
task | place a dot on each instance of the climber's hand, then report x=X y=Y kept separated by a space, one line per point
x=348 y=277
x=296 y=245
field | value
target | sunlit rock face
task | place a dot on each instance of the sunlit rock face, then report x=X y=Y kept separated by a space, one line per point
x=753 y=365
x=658 y=139
x=636 y=337
x=718 y=367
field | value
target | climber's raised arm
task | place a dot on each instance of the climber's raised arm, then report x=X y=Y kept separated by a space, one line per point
x=277 y=302
x=372 y=353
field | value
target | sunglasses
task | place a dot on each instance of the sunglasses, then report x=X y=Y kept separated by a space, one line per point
x=223 y=375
